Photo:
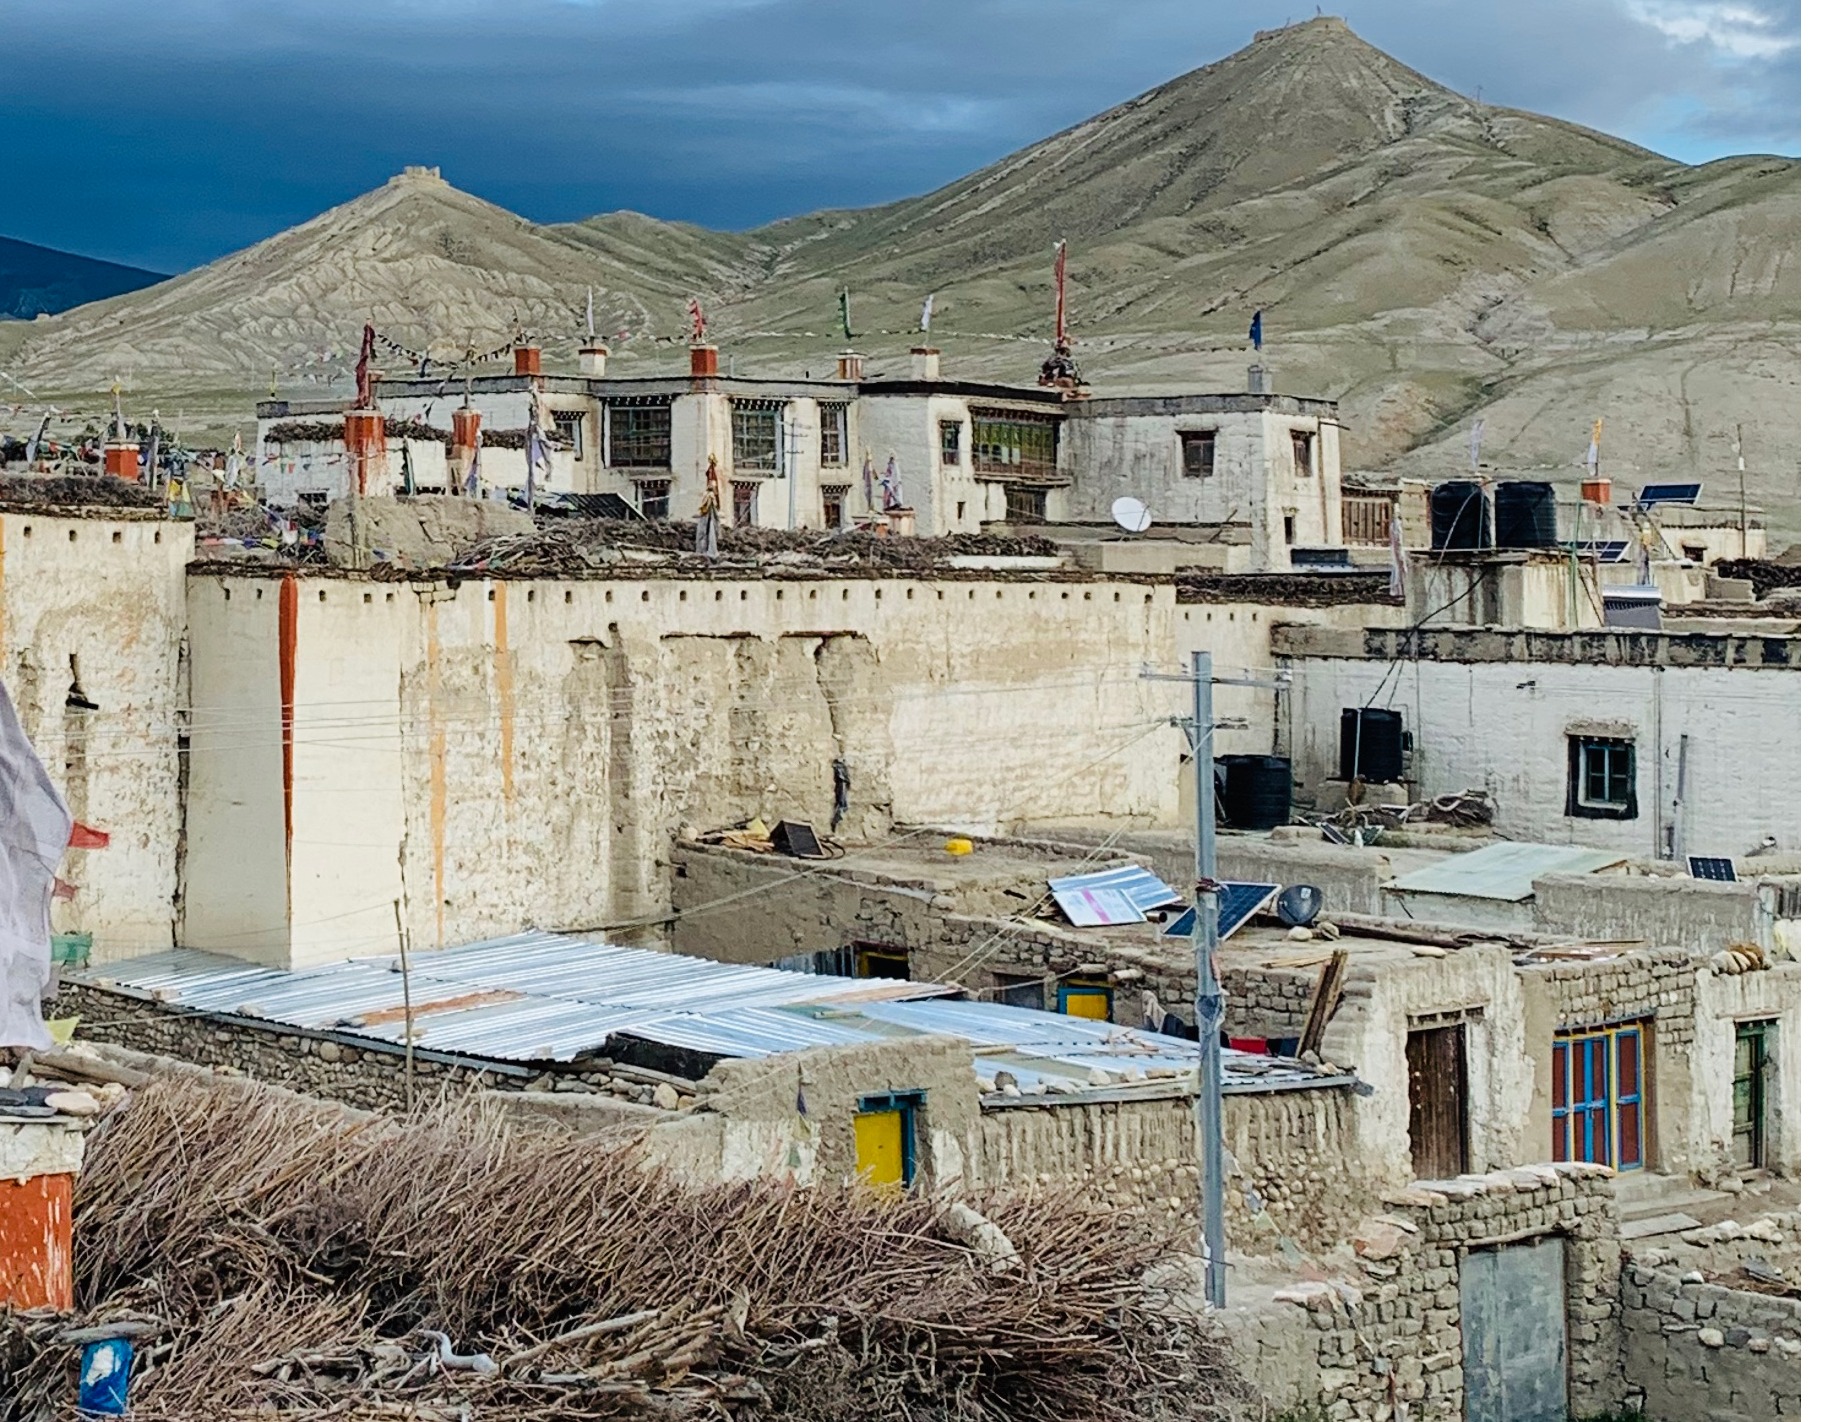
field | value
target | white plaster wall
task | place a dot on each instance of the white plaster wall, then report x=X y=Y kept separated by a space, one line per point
x=529 y=759
x=1140 y=455
x=1722 y=1001
x=906 y=427
x=1370 y=1034
x=1503 y=727
x=111 y=593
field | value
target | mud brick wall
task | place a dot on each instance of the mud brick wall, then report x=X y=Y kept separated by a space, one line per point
x=1695 y=1350
x=1393 y=1335
x=1657 y=984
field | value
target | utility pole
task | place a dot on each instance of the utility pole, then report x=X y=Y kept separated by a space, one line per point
x=1209 y=1006
x=1209 y=1003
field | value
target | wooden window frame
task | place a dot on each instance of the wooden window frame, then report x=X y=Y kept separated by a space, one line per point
x=1582 y=804
x=650 y=447
x=951 y=441
x=1595 y=1121
x=834 y=434
x=746 y=443
x=745 y=497
x=658 y=489
x=1191 y=468
x=1301 y=447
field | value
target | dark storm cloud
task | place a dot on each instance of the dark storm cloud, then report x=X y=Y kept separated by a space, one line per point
x=166 y=134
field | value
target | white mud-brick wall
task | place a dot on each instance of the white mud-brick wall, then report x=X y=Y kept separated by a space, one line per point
x=1701 y=1352
x=95 y=605
x=1495 y=711
x=497 y=755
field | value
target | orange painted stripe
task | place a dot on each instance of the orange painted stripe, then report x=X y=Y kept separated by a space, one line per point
x=35 y=1267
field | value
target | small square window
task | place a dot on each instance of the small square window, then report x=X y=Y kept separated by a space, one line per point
x=1602 y=778
x=951 y=434
x=1197 y=453
x=655 y=496
x=1303 y=444
x=743 y=497
x=831 y=506
x=834 y=442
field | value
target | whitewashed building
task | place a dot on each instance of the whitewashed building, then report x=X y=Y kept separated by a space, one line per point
x=793 y=453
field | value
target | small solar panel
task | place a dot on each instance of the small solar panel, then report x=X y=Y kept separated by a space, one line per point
x=1610 y=550
x=1238 y=904
x=1668 y=494
x=1712 y=866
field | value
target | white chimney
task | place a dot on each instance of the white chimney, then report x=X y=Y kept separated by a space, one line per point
x=1258 y=376
x=923 y=363
x=593 y=359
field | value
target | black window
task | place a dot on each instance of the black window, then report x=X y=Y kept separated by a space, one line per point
x=640 y=437
x=742 y=503
x=1197 y=448
x=568 y=425
x=833 y=446
x=1602 y=778
x=1303 y=443
x=656 y=497
x=950 y=434
x=1025 y=503
x=831 y=500
x=755 y=437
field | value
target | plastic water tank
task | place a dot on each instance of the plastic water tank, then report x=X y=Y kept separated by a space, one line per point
x=1525 y=514
x=1459 y=516
x=1371 y=744
x=1259 y=791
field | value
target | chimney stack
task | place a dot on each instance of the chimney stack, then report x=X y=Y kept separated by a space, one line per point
x=121 y=458
x=850 y=365
x=42 y=1159
x=704 y=361
x=923 y=363
x=593 y=359
x=1258 y=376
x=526 y=358
x=466 y=437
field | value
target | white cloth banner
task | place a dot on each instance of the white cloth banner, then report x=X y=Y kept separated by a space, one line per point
x=34 y=833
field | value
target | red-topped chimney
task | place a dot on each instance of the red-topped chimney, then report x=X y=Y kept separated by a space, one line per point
x=365 y=445
x=526 y=358
x=704 y=360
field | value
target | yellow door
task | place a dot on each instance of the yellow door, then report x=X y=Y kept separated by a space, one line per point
x=879 y=1147
x=1088 y=1004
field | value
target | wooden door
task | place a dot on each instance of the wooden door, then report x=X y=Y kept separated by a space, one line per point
x=1437 y=1101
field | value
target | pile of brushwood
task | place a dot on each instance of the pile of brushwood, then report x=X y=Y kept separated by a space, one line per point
x=276 y=1257
x=1764 y=575
x=563 y=547
x=96 y=490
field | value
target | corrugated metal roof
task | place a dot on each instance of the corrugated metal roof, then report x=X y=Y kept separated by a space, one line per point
x=543 y=997
x=1110 y=895
x=1504 y=871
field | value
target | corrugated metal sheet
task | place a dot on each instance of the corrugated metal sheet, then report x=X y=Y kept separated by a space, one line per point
x=1110 y=896
x=1504 y=871
x=542 y=997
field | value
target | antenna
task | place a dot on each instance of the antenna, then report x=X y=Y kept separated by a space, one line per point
x=1131 y=514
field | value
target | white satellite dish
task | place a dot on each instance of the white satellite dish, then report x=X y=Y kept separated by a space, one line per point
x=1131 y=514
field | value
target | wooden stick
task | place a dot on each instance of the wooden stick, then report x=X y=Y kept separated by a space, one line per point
x=1321 y=1007
x=406 y=999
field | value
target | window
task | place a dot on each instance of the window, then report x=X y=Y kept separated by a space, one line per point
x=640 y=436
x=1288 y=529
x=886 y=1129
x=834 y=446
x=1303 y=443
x=950 y=434
x=1024 y=503
x=878 y=960
x=1198 y=448
x=1596 y=1111
x=568 y=425
x=1602 y=778
x=831 y=503
x=755 y=437
x=1008 y=443
x=1019 y=990
x=742 y=503
x=655 y=496
x=1084 y=997
x=1694 y=552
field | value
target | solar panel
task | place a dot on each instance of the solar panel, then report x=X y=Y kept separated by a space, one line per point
x=1668 y=494
x=1238 y=904
x=1610 y=550
x=1712 y=866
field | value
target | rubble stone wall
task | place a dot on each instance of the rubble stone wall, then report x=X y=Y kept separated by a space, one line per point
x=1392 y=1335
x=1695 y=1350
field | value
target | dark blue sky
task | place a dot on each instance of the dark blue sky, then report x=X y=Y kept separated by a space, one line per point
x=167 y=132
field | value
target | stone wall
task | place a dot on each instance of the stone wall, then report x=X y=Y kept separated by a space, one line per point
x=1700 y=1352
x=1673 y=911
x=1390 y=1335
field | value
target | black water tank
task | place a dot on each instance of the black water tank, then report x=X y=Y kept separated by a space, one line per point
x=1525 y=514
x=1259 y=791
x=1371 y=744
x=1459 y=516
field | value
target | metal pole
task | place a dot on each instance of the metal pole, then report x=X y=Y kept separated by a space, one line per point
x=1210 y=1005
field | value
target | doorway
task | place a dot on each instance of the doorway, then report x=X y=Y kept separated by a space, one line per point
x=1514 y=1332
x=1437 y=1101
x=1751 y=1073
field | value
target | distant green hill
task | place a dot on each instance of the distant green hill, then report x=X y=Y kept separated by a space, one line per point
x=40 y=281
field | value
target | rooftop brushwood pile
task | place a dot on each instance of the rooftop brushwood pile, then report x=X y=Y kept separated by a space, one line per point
x=296 y=1260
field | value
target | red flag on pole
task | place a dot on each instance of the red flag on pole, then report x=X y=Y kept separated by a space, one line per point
x=83 y=837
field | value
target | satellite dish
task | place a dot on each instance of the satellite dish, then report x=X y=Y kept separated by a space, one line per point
x=1298 y=905
x=1131 y=514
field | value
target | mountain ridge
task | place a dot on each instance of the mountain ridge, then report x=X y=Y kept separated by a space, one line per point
x=41 y=281
x=1425 y=259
